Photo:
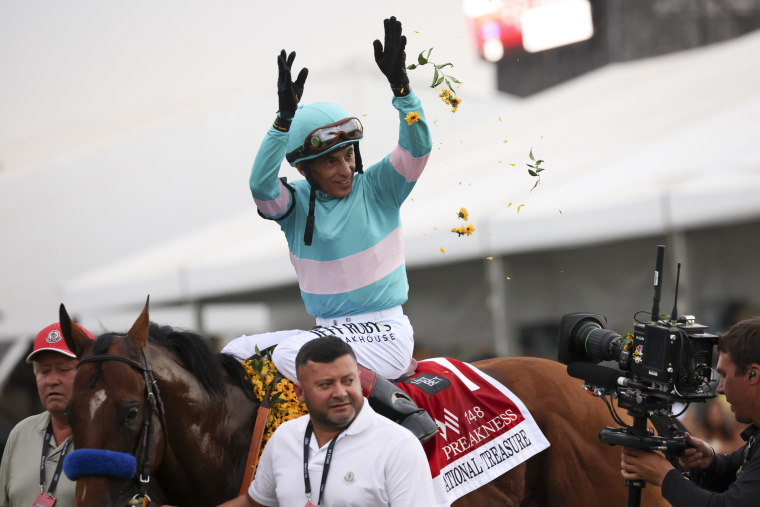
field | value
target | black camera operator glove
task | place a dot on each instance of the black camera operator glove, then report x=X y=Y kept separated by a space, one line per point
x=289 y=92
x=392 y=60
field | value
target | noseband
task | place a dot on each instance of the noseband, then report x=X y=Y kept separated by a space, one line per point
x=153 y=404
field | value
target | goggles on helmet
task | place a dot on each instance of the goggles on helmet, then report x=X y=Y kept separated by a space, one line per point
x=322 y=139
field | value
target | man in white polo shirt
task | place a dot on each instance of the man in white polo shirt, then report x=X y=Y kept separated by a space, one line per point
x=353 y=455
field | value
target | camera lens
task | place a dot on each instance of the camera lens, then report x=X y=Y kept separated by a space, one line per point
x=600 y=344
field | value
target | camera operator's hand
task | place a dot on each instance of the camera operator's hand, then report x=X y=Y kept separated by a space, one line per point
x=637 y=464
x=699 y=454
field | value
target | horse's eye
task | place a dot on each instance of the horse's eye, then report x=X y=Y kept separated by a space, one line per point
x=132 y=413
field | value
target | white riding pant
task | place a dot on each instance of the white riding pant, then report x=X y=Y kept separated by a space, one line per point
x=382 y=341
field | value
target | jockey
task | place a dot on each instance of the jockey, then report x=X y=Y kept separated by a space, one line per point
x=343 y=229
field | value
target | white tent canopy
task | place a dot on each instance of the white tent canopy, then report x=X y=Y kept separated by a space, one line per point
x=640 y=148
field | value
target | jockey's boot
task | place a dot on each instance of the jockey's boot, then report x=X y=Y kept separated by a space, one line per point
x=389 y=401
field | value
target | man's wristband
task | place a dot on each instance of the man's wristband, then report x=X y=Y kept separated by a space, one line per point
x=282 y=124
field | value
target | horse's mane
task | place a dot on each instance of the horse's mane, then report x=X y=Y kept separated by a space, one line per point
x=196 y=355
x=193 y=352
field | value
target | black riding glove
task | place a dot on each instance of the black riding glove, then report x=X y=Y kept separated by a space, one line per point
x=289 y=92
x=392 y=61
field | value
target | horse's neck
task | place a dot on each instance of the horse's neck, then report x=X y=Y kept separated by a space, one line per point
x=208 y=437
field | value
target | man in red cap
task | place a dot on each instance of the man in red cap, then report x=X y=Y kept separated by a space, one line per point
x=25 y=477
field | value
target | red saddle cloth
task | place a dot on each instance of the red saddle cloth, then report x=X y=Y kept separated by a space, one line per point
x=484 y=429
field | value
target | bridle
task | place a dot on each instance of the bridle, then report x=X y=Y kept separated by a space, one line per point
x=153 y=404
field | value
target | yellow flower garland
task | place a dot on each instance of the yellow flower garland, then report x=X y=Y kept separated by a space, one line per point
x=284 y=404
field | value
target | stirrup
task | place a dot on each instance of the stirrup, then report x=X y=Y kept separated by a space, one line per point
x=389 y=401
x=421 y=425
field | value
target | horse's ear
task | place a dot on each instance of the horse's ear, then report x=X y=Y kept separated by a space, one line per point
x=75 y=338
x=139 y=330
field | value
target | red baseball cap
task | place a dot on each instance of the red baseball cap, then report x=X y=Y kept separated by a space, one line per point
x=51 y=338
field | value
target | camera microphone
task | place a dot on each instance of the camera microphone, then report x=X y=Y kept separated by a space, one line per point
x=602 y=376
x=598 y=376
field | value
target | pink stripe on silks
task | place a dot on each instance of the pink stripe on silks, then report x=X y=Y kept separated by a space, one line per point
x=406 y=165
x=352 y=272
x=276 y=206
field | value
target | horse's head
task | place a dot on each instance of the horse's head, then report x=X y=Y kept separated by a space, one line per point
x=116 y=415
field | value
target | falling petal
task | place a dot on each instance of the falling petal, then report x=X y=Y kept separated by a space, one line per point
x=510 y=204
x=499 y=116
x=509 y=278
x=442 y=250
x=512 y=165
x=416 y=31
x=489 y=258
x=520 y=206
x=500 y=161
x=506 y=140
x=435 y=121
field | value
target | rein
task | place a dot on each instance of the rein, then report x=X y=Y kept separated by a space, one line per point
x=262 y=417
x=153 y=403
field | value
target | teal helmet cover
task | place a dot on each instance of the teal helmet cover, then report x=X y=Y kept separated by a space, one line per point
x=309 y=118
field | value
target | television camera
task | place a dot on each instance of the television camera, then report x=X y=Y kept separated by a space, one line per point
x=667 y=360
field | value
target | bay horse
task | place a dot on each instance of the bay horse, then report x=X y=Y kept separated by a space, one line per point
x=192 y=448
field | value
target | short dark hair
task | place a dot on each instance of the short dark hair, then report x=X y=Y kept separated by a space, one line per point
x=742 y=342
x=325 y=349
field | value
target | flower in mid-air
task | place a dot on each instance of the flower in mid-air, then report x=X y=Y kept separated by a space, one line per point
x=450 y=99
x=464 y=230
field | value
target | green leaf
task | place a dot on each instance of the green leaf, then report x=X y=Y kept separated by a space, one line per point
x=534 y=186
x=444 y=65
x=448 y=83
x=531 y=154
x=411 y=67
x=455 y=79
x=428 y=55
x=439 y=81
x=539 y=169
x=539 y=161
x=532 y=172
x=421 y=59
x=435 y=78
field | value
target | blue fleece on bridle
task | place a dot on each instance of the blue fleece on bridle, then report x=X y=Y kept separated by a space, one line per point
x=99 y=462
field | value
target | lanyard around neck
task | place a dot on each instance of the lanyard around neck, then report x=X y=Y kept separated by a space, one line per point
x=45 y=449
x=328 y=460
